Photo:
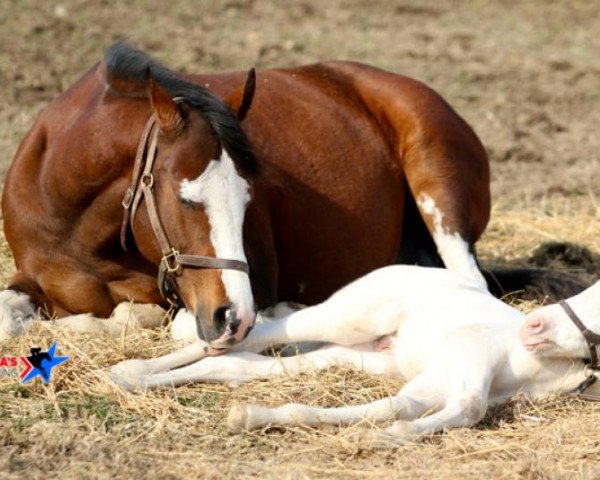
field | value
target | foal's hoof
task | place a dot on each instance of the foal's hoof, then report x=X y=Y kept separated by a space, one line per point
x=395 y=436
x=130 y=375
x=237 y=418
x=246 y=417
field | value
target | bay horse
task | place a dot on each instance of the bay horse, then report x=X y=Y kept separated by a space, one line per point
x=459 y=348
x=340 y=168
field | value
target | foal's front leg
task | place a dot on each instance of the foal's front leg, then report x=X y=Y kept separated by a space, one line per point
x=133 y=373
x=338 y=320
x=242 y=367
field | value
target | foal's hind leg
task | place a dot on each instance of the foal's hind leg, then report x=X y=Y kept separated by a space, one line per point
x=463 y=410
x=416 y=397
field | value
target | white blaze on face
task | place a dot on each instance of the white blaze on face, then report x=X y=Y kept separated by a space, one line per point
x=224 y=195
x=453 y=249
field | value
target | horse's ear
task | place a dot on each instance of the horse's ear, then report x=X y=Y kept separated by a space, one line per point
x=240 y=99
x=167 y=114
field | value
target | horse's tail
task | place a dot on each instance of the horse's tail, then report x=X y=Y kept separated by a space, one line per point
x=538 y=282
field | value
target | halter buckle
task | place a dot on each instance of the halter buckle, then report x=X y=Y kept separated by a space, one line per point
x=171 y=261
x=127 y=199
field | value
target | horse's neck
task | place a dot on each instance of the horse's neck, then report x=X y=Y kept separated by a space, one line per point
x=535 y=376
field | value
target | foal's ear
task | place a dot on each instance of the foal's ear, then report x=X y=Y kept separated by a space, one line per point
x=240 y=99
x=167 y=114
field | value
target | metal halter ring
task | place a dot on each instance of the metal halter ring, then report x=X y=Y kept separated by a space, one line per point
x=171 y=261
x=147 y=180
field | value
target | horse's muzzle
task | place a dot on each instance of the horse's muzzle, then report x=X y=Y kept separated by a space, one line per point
x=228 y=326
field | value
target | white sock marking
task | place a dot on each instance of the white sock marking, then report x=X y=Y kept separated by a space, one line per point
x=16 y=314
x=453 y=249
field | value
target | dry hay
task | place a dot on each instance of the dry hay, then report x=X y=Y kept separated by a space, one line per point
x=524 y=74
x=81 y=425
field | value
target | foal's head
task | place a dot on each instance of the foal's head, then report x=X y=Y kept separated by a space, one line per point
x=202 y=185
x=549 y=331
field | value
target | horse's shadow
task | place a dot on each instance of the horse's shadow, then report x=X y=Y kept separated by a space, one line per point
x=568 y=269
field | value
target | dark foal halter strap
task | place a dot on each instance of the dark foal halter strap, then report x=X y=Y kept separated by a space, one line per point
x=592 y=340
x=141 y=185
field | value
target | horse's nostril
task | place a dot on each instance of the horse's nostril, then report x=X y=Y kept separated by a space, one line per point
x=221 y=317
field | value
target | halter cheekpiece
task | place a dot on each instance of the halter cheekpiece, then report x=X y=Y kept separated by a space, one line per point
x=142 y=185
x=592 y=340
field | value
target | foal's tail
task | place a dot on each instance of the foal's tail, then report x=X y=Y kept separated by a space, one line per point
x=537 y=283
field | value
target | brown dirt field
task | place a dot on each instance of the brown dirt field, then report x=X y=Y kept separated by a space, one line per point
x=526 y=75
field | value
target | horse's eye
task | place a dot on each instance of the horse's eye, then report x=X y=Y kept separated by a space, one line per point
x=188 y=203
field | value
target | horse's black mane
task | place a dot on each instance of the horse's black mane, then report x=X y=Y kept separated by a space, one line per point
x=124 y=61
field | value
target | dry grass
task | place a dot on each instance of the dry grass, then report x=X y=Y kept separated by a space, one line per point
x=524 y=74
x=83 y=426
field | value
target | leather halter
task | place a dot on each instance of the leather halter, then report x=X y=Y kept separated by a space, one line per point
x=592 y=340
x=142 y=184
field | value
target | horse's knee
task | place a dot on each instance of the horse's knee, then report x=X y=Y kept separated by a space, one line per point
x=17 y=312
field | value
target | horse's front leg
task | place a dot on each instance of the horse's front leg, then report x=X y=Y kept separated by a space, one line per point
x=127 y=318
x=20 y=302
x=17 y=313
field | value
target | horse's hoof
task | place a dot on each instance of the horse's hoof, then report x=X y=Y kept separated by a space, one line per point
x=17 y=313
x=238 y=418
x=130 y=375
x=139 y=315
x=13 y=327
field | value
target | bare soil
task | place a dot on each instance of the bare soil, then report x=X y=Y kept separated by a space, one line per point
x=526 y=75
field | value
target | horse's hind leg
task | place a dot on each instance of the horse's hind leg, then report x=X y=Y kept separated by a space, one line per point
x=454 y=204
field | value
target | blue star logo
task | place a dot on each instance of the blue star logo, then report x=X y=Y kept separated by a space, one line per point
x=42 y=363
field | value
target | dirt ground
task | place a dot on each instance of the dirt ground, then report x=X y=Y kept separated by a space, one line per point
x=526 y=75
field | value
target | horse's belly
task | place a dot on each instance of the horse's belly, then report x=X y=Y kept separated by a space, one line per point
x=336 y=226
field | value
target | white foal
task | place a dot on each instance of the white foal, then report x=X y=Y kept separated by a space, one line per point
x=459 y=348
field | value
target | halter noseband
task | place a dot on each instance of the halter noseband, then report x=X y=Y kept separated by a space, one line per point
x=592 y=340
x=171 y=262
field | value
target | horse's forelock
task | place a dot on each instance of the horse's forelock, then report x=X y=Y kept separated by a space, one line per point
x=127 y=71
